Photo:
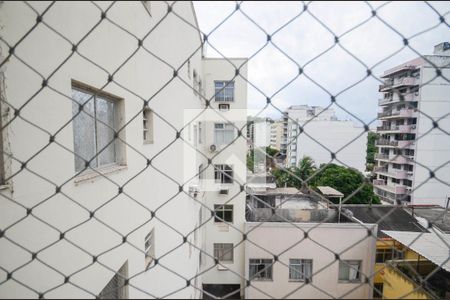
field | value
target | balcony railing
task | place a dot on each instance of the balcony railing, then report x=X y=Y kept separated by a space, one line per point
x=405 y=81
x=402 y=113
x=395 y=189
x=397 y=128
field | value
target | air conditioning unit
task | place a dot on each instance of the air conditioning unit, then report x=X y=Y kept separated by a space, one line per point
x=223 y=191
x=224 y=107
x=212 y=148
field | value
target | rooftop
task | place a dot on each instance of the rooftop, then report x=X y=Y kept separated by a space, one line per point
x=388 y=217
x=432 y=246
x=435 y=216
x=328 y=191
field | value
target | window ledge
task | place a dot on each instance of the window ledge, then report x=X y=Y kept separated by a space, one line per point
x=148 y=142
x=91 y=174
x=4 y=187
x=349 y=281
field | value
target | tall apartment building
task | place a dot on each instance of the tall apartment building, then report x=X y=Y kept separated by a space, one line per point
x=276 y=134
x=224 y=180
x=413 y=139
x=96 y=185
x=322 y=133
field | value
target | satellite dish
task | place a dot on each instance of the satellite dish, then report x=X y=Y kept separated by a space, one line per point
x=212 y=148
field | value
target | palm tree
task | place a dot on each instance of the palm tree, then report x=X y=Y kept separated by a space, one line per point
x=306 y=167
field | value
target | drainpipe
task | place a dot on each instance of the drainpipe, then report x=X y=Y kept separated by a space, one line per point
x=446 y=208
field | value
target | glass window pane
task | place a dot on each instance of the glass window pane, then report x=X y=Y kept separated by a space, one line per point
x=105 y=132
x=83 y=129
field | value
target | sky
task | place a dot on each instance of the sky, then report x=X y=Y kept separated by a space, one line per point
x=302 y=37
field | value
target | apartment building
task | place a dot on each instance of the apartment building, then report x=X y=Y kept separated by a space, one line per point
x=276 y=134
x=224 y=180
x=259 y=132
x=100 y=185
x=412 y=159
x=281 y=262
x=322 y=133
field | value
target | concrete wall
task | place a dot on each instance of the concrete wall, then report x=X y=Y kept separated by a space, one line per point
x=285 y=241
x=334 y=135
x=145 y=188
x=433 y=147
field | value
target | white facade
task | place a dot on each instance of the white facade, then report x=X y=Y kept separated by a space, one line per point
x=262 y=131
x=233 y=155
x=322 y=134
x=409 y=146
x=144 y=178
x=280 y=239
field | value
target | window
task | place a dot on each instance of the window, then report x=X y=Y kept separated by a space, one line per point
x=349 y=270
x=94 y=128
x=224 y=252
x=200 y=172
x=223 y=133
x=300 y=269
x=149 y=244
x=396 y=166
x=382 y=255
x=200 y=132
x=223 y=174
x=378 y=290
x=223 y=213
x=189 y=68
x=194 y=82
x=224 y=90
x=147 y=117
x=260 y=269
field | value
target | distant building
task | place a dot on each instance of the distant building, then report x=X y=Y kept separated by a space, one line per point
x=408 y=146
x=316 y=132
x=281 y=262
x=276 y=134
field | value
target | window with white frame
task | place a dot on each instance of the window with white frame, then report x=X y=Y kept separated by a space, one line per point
x=300 y=269
x=94 y=127
x=223 y=213
x=149 y=244
x=223 y=133
x=223 y=173
x=260 y=269
x=224 y=91
x=147 y=118
x=349 y=271
x=224 y=252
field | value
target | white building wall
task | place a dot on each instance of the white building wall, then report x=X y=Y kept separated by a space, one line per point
x=282 y=239
x=233 y=154
x=324 y=136
x=262 y=134
x=432 y=147
x=34 y=187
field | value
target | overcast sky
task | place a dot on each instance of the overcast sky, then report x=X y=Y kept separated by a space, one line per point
x=305 y=38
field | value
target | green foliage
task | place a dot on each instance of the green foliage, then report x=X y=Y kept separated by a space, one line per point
x=371 y=150
x=345 y=180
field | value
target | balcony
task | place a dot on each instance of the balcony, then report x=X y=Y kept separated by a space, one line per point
x=394 y=188
x=394 y=114
x=398 y=82
x=397 y=128
x=408 y=97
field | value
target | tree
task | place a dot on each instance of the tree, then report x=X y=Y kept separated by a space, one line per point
x=371 y=150
x=347 y=180
x=294 y=177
